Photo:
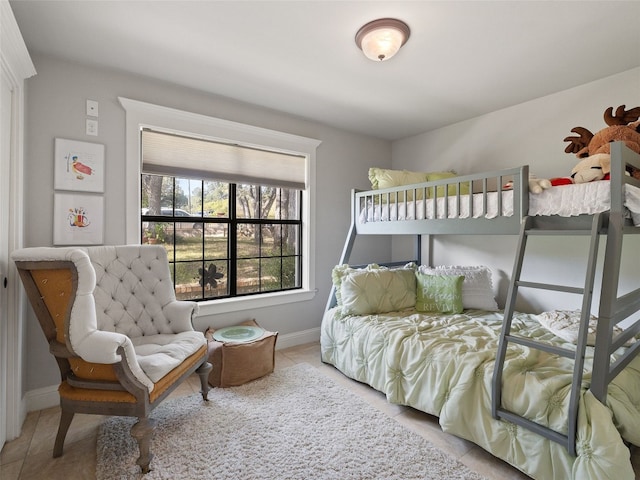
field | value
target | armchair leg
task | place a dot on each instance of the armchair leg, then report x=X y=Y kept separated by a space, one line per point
x=63 y=428
x=142 y=432
x=203 y=372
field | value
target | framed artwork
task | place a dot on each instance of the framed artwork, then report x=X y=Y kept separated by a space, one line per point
x=78 y=166
x=78 y=219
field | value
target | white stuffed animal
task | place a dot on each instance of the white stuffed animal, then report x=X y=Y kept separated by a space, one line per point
x=536 y=185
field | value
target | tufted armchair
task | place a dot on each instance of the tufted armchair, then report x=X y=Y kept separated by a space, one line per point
x=121 y=339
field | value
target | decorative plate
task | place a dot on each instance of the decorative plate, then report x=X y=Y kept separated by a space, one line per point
x=238 y=334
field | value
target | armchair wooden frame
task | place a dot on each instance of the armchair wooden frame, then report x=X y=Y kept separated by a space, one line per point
x=90 y=388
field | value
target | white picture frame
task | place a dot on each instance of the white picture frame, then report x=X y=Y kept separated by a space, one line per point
x=78 y=166
x=78 y=219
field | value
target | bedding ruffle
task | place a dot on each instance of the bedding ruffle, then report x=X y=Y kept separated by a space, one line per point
x=564 y=201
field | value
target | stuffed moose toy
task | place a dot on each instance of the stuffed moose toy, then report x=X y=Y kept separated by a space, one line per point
x=593 y=149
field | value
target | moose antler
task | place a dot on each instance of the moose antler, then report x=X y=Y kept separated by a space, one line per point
x=578 y=143
x=622 y=116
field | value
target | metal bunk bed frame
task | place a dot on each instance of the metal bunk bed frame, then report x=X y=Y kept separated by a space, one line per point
x=613 y=225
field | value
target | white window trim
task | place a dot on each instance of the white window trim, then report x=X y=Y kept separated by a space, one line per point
x=145 y=115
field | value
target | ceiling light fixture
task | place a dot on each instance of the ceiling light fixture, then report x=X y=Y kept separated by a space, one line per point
x=381 y=39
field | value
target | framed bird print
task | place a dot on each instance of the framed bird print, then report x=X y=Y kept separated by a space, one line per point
x=78 y=166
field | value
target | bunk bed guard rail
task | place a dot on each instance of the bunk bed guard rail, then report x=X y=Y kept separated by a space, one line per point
x=484 y=203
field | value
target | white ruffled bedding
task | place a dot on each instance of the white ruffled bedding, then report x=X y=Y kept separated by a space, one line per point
x=566 y=325
x=564 y=201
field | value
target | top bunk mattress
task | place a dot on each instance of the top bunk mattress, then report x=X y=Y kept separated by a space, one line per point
x=564 y=201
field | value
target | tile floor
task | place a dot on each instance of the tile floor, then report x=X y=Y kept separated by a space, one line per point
x=29 y=456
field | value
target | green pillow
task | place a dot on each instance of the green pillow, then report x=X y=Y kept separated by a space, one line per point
x=386 y=178
x=399 y=288
x=381 y=178
x=452 y=189
x=439 y=293
x=367 y=292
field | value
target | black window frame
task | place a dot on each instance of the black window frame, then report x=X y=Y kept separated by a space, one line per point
x=232 y=223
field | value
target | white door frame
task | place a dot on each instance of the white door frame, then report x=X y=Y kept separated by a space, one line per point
x=16 y=66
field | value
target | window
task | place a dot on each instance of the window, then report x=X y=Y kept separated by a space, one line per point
x=224 y=239
x=249 y=213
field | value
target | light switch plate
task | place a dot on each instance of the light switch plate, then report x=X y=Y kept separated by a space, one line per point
x=92 y=108
x=92 y=127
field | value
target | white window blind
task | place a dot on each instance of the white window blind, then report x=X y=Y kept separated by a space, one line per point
x=180 y=156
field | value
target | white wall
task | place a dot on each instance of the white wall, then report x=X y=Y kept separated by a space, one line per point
x=530 y=133
x=56 y=108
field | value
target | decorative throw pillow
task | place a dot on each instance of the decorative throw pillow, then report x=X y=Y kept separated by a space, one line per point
x=452 y=189
x=385 y=178
x=337 y=274
x=439 y=293
x=378 y=290
x=477 y=289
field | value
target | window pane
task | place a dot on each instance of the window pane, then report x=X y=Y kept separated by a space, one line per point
x=247 y=201
x=288 y=205
x=248 y=276
x=157 y=232
x=247 y=241
x=215 y=231
x=188 y=198
x=157 y=192
x=187 y=247
x=270 y=245
x=268 y=196
x=187 y=233
x=216 y=246
x=291 y=240
x=216 y=199
x=213 y=278
x=186 y=280
x=290 y=272
x=270 y=274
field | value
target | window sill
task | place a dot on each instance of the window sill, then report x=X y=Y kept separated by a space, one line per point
x=215 y=307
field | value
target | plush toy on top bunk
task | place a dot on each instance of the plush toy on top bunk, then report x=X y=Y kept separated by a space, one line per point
x=593 y=150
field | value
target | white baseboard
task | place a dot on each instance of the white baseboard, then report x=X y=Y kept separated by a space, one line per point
x=47 y=397
x=298 y=338
x=41 y=398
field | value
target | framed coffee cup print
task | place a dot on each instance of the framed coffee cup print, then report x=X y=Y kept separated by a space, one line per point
x=78 y=219
x=78 y=166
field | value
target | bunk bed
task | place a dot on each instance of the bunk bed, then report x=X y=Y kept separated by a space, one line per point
x=551 y=405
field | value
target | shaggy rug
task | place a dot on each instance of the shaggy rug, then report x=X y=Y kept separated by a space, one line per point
x=293 y=424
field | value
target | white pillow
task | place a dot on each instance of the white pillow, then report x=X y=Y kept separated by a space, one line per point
x=477 y=288
x=377 y=290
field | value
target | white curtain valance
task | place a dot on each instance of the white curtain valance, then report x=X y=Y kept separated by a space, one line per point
x=182 y=156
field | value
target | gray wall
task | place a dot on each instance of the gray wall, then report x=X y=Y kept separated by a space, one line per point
x=530 y=133
x=55 y=107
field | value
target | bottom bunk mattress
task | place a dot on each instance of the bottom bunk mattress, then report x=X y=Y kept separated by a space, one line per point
x=443 y=365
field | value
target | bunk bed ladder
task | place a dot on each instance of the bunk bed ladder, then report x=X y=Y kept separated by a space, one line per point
x=498 y=412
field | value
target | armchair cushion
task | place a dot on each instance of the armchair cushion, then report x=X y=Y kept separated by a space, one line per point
x=157 y=355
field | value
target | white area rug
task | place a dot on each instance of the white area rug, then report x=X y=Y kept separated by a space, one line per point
x=293 y=424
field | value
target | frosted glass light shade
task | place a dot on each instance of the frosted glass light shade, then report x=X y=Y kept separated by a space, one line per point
x=381 y=39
